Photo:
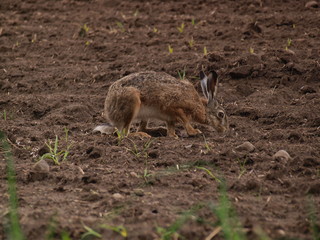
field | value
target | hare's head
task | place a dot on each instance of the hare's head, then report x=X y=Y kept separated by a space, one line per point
x=216 y=115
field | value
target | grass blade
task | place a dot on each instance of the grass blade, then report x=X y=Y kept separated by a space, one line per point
x=14 y=231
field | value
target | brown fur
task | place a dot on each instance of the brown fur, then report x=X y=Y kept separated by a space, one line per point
x=147 y=95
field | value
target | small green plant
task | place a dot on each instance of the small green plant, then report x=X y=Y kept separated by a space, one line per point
x=118 y=229
x=172 y=231
x=191 y=43
x=140 y=152
x=242 y=166
x=56 y=155
x=205 y=52
x=312 y=217
x=182 y=74
x=193 y=22
x=90 y=232
x=210 y=174
x=146 y=176
x=289 y=43
x=120 y=135
x=13 y=229
x=228 y=220
x=136 y=13
x=155 y=30
x=251 y=50
x=206 y=145
x=181 y=28
x=170 y=49
x=34 y=38
x=84 y=30
x=120 y=26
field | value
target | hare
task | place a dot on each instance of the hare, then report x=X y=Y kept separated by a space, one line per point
x=157 y=95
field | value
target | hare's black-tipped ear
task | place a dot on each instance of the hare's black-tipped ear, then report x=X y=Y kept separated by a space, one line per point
x=203 y=81
x=212 y=85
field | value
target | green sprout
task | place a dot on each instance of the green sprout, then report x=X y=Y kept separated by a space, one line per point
x=120 y=25
x=205 y=52
x=90 y=232
x=227 y=217
x=140 y=152
x=193 y=22
x=155 y=30
x=83 y=30
x=289 y=43
x=251 y=50
x=181 y=28
x=191 y=42
x=209 y=173
x=118 y=229
x=56 y=155
x=182 y=74
x=170 y=49
x=14 y=229
x=136 y=13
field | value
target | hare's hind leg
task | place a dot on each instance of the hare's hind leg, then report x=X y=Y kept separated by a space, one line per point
x=124 y=108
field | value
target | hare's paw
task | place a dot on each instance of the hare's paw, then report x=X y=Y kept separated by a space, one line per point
x=194 y=132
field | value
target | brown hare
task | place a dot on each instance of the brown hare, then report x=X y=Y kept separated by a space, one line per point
x=157 y=95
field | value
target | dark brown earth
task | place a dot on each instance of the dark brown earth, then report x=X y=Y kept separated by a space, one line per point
x=53 y=75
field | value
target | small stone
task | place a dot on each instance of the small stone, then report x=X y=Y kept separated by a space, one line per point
x=133 y=174
x=312 y=4
x=117 y=196
x=41 y=166
x=139 y=192
x=281 y=155
x=246 y=147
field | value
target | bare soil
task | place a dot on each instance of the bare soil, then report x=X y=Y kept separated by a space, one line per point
x=53 y=75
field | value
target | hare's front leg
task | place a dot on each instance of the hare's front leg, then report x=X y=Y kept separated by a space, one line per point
x=186 y=123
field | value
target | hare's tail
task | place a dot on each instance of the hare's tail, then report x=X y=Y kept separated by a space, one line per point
x=106 y=128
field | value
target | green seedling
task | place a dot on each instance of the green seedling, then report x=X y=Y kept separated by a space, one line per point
x=137 y=152
x=289 y=43
x=228 y=220
x=312 y=217
x=83 y=30
x=120 y=26
x=90 y=232
x=251 y=50
x=193 y=22
x=206 y=145
x=13 y=229
x=34 y=38
x=146 y=175
x=242 y=166
x=120 y=135
x=210 y=174
x=171 y=232
x=155 y=30
x=56 y=155
x=205 y=52
x=136 y=13
x=170 y=49
x=181 y=28
x=191 y=43
x=118 y=229
x=182 y=74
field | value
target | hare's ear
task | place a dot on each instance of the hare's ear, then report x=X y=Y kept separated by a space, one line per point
x=203 y=81
x=212 y=85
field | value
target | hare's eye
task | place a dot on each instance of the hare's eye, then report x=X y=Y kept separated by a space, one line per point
x=220 y=114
